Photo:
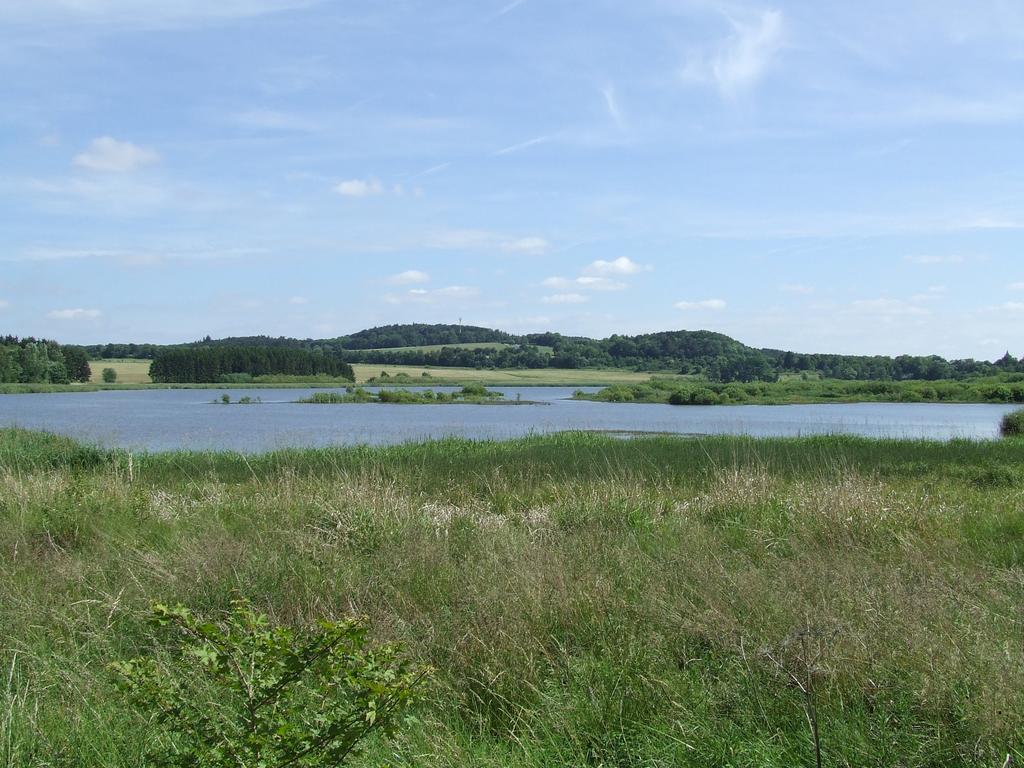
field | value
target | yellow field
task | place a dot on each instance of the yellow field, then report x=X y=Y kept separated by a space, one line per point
x=542 y=376
x=128 y=371
x=137 y=372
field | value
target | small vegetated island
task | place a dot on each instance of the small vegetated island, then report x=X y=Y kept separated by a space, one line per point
x=471 y=394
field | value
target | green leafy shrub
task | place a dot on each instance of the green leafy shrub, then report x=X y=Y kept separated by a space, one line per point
x=235 y=378
x=1013 y=424
x=242 y=693
x=109 y=375
x=477 y=390
x=703 y=396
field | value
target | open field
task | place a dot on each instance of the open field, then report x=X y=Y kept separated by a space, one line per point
x=133 y=374
x=582 y=600
x=128 y=371
x=539 y=377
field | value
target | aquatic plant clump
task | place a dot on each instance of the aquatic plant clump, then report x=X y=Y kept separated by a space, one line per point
x=1012 y=424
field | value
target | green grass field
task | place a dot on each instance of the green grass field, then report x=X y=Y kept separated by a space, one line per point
x=583 y=601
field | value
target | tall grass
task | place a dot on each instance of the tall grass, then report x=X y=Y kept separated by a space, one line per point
x=584 y=600
x=1012 y=424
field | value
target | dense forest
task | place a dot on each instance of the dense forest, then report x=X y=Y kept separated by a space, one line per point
x=39 y=361
x=203 y=365
x=714 y=355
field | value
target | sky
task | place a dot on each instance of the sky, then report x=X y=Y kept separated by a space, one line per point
x=816 y=176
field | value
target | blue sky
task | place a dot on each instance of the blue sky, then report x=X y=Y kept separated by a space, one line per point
x=819 y=176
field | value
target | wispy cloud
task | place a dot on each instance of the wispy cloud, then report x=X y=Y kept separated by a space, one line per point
x=73 y=314
x=483 y=240
x=611 y=103
x=510 y=7
x=360 y=187
x=564 y=298
x=109 y=155
x=451 y=293
x=711 y=304
x=620 y=266
x=588 y=282
x=739 y=62
x=153 y=14
x=522 y=145
x=409 y=277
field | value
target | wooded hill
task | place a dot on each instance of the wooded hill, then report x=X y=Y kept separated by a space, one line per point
x=706 y=353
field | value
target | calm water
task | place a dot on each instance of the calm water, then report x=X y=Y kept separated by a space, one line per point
x=185 y=418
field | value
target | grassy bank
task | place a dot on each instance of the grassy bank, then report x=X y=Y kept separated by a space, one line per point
x=583 y=600
x=794 y=391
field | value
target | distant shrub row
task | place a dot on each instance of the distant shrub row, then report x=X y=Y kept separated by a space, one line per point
x=797 y=391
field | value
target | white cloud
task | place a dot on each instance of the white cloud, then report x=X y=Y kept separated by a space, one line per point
x=740 y=61
x=1016 y=286
x=408 y=277
x=449 y=293
x=73 y=314
x=298 y=300
x=109 y=155
x=359 y=188
x=619 y=266
x=565 y=298
x=587 y=282
x=712 y=304
x=4 y=304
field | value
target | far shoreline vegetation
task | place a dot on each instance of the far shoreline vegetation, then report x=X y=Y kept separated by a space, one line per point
x=992 y=390
x=677 y=367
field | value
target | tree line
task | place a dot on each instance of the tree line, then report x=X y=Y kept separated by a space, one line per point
x=702 y=353
x=210 y=365
x=41 y=361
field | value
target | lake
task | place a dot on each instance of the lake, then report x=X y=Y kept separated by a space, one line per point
x=172 y=419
